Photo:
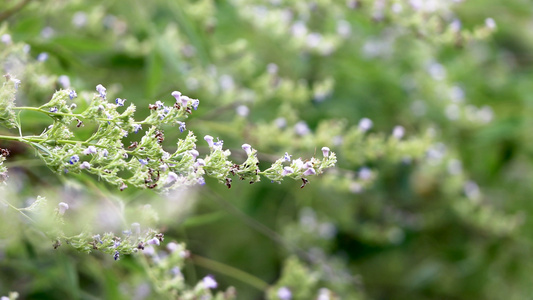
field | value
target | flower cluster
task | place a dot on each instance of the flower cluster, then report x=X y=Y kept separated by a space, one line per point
x=144 y=163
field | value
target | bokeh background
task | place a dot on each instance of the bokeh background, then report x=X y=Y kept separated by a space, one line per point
x=438 y=208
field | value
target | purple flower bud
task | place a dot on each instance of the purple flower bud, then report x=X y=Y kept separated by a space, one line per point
x=298 y=163
x=280 y=122
x=64 y=81
x=172 y=246
x=116 y=256
x=209 y=140
x=182 y=126
x=172 y=177
x=195 y=103
x=308 y=165
x=200 y=162
x=243 y=110
x=154 y=241
x=365 y=124
x=247 y=148
x=42 y=57
x=272 y=68
x=137 y=127
x=185 y=100
x=287 y=157
x=301 y=128
x=325 y=151
x=194 y=153
x=201 y=181
x=310 y=171
x=286 y=171
x=6 y=39
x=159 y=104
x=120 y=102
x=97 y=238
x=143 y=162
x=53 y=109
x=85 y=165
x=176 y=95
x=284 y=293
x=218 y=144
x=16 y=82
x=90 y=150
x=490 y=23
x=398 y=132
x=365 y=173
x=101 y=90
x=74 y=159
x=209 y=282
x=105 y=153
x=72 y=94
x=62 y=207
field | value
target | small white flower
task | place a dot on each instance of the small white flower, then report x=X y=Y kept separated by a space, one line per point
x=90 y=150
x=42 y=57
x=298 y=163
x=344 y=28
x=64 y=81
x=284 y=293
x=101 y=90
x=287 y=157
x=185 y=100
x=272 y=68
x=6 y=39
x=62 y=207
x=247 y=148
x=194 y=153
x=171 y=177
x=85 y=165
x=365 y=124
x=209 y=140
x=286 y=171
x=365 y=173
x=490 y=23
x=243 y=110
x=79 y=19
x=301 y=128
x=172 y=246
x=280 y=122
x=310 y=171
x=176 y=95
x=209 y=282
x=154 y=241
x=325 y=151
x=398 y=132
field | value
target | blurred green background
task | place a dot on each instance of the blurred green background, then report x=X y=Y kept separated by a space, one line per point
x=439 y=212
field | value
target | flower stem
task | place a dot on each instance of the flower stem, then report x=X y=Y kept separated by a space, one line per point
x=230 y=271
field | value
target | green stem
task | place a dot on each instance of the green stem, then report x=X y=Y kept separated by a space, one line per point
x=230 y=271
x=20 y=211
x=36 y=139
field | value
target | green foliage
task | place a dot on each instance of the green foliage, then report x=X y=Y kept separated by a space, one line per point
x=424 y=104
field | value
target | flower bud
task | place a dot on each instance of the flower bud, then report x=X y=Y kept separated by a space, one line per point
x=247 y=148
x=62 y=207
x=325 y=151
